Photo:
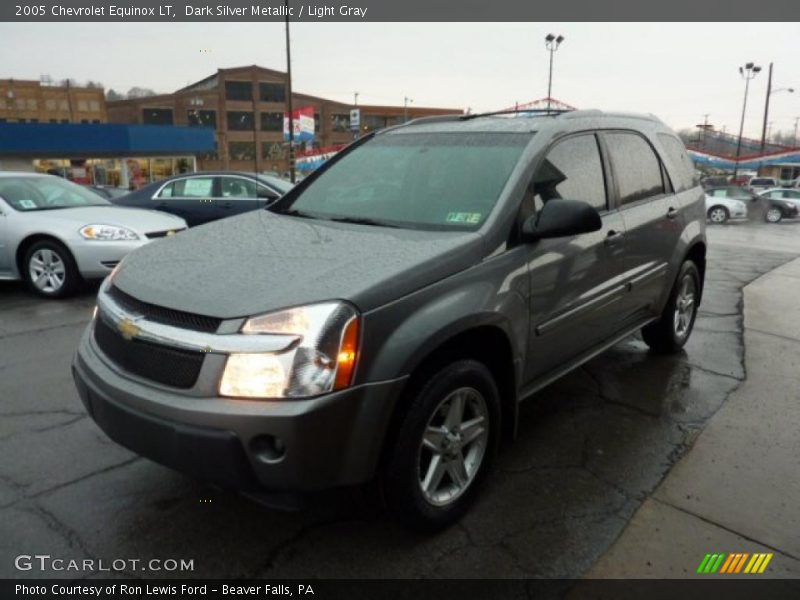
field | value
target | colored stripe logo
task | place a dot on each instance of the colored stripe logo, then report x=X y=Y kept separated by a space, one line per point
x=734 y=563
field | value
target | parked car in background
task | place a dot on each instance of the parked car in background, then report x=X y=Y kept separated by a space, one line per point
x=759 y=184
x=784 y=203
x=383 y=319
x=723 y=204
x=53 y=232
x=107 y=191
x=713 y=181
x=204 y=197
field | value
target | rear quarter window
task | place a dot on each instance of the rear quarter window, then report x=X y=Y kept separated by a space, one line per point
x=683 y=171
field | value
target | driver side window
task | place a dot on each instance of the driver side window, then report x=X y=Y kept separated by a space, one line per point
x=572 y=170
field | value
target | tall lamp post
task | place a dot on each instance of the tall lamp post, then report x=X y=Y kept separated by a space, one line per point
x=289 y=97
x=748 y=72
x=770 y=92
x=552 y=43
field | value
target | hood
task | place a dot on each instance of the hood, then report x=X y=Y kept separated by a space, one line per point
x=260 y=261
x=137 y=219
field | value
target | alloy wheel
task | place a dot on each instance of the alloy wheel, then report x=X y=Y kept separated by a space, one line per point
x=717 y=215
x=685 y=307
x=453 y=446
x=773 y=215
x=47 y=271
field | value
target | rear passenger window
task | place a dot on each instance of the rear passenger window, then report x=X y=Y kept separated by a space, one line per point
x=636 y=167
x=572 y=171
x=684 y=178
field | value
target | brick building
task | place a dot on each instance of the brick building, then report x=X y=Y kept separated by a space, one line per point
x=245 y=107
x=30 y=101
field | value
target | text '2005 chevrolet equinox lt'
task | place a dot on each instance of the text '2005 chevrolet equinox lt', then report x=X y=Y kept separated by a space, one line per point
x=382 y=320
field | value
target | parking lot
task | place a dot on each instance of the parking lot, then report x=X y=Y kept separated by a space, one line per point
x=591 y=450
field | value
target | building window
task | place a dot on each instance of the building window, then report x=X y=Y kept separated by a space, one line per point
x=20 y=102
x=271 y=121
x=372 y=122
x=340 y=122
x=157 y=116
x=50 y=104
x=65 y=120
x=54 y=120
x=32 y=104
x=34 y=121
x=242 y=150
x=240 y=120
x=94 y=106
x=274 y=151
x=95 y=120
x=272 y=92
x=239 y=90
x=85 y=121
x=202 y=118
x=83 y=106
x=63 y=105
x=2 y=102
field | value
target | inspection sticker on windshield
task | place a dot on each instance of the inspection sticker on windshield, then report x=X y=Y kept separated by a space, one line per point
x=29 y=204
x=463 y=217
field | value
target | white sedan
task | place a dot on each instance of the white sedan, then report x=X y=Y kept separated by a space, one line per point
x=53 y=233
x=720 y=207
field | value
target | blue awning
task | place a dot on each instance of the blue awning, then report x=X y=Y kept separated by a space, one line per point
x=98 y=140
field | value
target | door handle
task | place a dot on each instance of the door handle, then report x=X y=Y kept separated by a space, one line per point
x=672 y=212
x=613 y=237
x=227 y=204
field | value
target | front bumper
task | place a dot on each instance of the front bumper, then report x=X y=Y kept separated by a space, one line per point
x=328 y=441
x=95 y=259
x=739 y=212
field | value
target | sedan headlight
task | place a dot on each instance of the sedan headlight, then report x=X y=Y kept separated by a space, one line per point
x=107 y=233
x=322 y=341
x=790 y=205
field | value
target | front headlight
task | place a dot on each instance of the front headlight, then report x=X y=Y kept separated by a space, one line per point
x=322 y=355
x=789 y=205
x=107 y=233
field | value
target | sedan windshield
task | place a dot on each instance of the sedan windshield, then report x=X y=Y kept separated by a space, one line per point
x=46 y=193
x=434 y=181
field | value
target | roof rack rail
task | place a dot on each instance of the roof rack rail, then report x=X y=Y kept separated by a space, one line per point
x=554 y=112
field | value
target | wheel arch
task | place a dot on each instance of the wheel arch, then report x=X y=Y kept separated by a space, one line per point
x=490 y=345
x=31 y=239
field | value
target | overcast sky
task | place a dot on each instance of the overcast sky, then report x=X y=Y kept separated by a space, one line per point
x=677 y=71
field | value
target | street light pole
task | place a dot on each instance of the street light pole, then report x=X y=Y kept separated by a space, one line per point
x=796 y=120
x=552 y=43
x=289 y=97
x=406 y=100
x=748 y=72
x=770 y=92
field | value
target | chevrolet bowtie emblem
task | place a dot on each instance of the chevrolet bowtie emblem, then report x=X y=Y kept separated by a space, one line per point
x=128 y=329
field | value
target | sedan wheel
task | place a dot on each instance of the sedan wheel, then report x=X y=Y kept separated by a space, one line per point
x=774 y=215
x=717 y=215
x=50 y=269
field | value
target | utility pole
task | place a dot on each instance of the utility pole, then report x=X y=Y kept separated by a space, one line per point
x=406 y=100
x=764 y=134
x=705 y=129
x=289 y=97
x=796 y=120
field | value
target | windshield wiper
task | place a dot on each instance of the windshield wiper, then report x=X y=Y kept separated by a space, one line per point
x=362 y=221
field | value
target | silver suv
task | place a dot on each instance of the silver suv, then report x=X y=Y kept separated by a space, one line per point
x=382 y=321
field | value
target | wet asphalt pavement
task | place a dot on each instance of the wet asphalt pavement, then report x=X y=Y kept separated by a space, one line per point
x=591 y=449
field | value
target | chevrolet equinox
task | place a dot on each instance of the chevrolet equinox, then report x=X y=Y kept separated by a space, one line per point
x=381 y=322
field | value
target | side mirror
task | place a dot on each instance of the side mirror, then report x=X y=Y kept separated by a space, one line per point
x=561 y=218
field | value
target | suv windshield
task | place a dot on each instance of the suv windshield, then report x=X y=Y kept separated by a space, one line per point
x=45 y=193
x=434 y=181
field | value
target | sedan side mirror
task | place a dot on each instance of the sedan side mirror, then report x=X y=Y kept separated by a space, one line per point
x=265 y=194
x=561 y=218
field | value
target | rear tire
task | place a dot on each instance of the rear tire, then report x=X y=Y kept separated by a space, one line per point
x=773 y=215
x=444 y=447
x=669 y=334
x=718 y=215
x=50 y=270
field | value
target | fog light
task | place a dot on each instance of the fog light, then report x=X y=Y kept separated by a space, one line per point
x=268 y=448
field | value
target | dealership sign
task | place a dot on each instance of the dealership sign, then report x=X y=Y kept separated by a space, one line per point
x=303 y=121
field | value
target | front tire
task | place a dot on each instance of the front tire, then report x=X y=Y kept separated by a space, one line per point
x=718 y=215
x=444 y=447
x=50 y=270
x=669 y=334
